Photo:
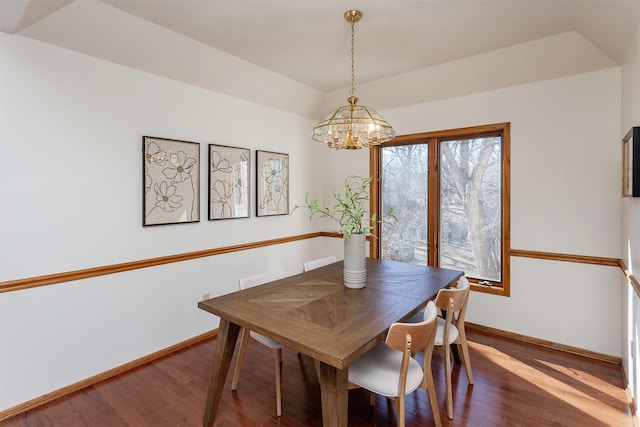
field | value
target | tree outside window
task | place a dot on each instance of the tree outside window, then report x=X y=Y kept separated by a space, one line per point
x=449 y=191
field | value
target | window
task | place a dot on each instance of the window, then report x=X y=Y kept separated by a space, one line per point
x=449 y=191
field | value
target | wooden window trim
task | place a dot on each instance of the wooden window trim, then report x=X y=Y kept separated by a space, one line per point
x=433 y=138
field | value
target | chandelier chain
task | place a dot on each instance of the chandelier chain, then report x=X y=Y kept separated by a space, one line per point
x=353 y=63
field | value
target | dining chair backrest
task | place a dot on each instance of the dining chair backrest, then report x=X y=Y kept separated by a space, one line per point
x=454 y=300
x=317 y=263
x=260 y=279
x=421 y=334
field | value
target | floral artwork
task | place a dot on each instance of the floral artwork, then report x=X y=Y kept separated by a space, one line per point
x=171 y=181
x=272 y=173
x=228 y=182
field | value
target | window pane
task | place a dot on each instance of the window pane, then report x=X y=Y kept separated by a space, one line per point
x=404 y=189
x=470 y=207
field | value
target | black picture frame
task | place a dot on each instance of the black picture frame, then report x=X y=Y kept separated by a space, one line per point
x=229 y=187
x=272 y=183
x=631 y=163
x=170 y=181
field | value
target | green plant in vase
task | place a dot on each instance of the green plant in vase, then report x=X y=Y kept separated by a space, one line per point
x=350 y=211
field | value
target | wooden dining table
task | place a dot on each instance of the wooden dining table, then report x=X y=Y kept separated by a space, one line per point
x=315 y=314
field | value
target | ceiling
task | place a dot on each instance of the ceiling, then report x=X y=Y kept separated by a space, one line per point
x=309 y=40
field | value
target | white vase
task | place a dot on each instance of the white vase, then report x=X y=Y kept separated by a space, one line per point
x=355 y=261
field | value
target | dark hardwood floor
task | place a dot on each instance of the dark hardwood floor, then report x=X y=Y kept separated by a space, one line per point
x=516 y=384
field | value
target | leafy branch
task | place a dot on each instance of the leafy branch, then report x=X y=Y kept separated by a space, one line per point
x=350 y=208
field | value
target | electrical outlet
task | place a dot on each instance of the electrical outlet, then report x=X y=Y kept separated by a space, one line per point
x=205 y=297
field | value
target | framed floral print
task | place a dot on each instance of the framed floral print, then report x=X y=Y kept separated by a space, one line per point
x=228 y=182
x=272 y=183
x=631 y=163
x=171 y=181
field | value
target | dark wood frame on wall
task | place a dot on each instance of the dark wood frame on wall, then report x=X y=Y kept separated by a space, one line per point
x=631 y=163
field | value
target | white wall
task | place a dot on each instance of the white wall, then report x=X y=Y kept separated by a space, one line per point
x=630 y=230
x=547 y=58
x=146 y=46
x=565 y=184
x=71 y=128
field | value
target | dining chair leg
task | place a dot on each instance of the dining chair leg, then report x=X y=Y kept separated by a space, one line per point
x=400 y=409
x=244 y=340
x=467 y=360
x=278 y=358
x=447 y=375
x=433 y=401
x=372 y=399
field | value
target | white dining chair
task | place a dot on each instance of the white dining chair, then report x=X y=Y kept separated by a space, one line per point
x=245 y=283
x=317 y=263
x=451 y=330
x=389 y=369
